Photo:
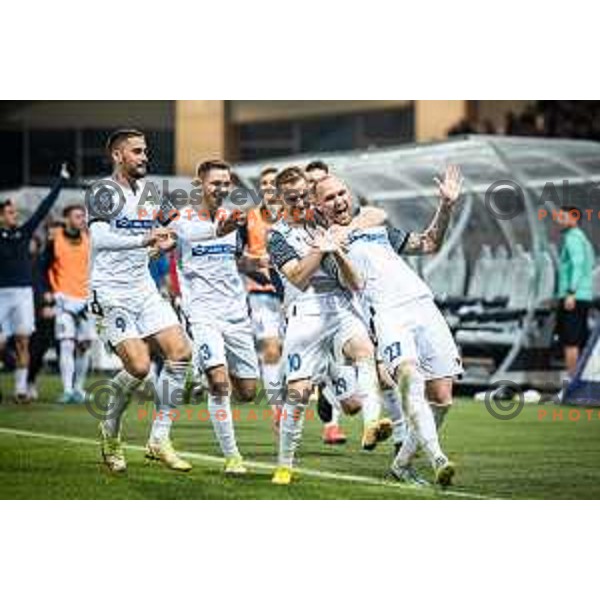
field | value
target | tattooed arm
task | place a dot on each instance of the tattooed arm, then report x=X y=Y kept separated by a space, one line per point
x=430 y=240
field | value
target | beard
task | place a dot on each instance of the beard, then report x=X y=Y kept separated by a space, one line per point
x=137 y=172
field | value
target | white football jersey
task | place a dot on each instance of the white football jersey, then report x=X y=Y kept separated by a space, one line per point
x=387 y=279
x=209 y=271
x=124 y=272
x=324 y=292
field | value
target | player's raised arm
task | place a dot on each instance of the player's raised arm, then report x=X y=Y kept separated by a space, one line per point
x=45 y=206
x=430 y=240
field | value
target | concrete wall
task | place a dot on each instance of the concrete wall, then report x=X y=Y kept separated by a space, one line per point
x=434 y=118
x=90 y=114
x=250 y=111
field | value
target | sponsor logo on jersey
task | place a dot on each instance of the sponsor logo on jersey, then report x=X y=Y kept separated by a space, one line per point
x=379 y=237
x=125 y=223
x=228 y=249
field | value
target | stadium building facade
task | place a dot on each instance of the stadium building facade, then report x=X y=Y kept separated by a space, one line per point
x=39 y=134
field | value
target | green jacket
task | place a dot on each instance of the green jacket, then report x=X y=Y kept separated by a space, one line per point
x=576 y=265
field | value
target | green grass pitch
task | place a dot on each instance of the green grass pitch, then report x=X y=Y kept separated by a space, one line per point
x=49 y=451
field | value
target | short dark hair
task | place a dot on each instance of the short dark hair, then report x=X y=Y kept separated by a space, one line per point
x=267 y=171
x=67 y=210
x=289 y=175
x=120 y=135
x=570 y=208
x=5 y=203
x=208 y=165
x=317 y=164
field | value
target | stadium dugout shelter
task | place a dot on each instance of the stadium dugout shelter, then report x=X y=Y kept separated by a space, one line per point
x=494 y=277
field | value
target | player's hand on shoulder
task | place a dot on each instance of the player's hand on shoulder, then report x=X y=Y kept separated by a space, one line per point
x=339 y=235
x=323 y=242
x=374 y=213
x=369 y=216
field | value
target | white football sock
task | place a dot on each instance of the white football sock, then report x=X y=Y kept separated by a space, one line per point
x=367 y=387
x=410 y=445
x=82 y=364
x=219 y=408
x=393 y=406
x=422 y=422
x=123 y=385
x=439 y=413
x=290 y=432
x=272 y=376
x=67 y=364
x=335 y=415
x=169 y=396
x=20 y=381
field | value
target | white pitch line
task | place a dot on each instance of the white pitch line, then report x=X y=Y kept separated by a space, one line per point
x=207 y=458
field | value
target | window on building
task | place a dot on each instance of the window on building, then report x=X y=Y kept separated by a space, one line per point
x=257 y=141
x=42 y=151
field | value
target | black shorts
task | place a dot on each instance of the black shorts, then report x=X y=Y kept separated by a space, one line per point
x=572 y=325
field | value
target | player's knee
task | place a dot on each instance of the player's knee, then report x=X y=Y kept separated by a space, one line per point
x=359 y=349
x=439 y=393
x=299 y=392
x=21 y=343
x=177 y=348
x=351 y=406
x=180 y=353
x=218 y=382
x=271 y=350
x=246 y=392
x=83 y=347
x=139 y=367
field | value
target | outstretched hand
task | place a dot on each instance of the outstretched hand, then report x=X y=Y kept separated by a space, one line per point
x=64 y=171
x=450 y=186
